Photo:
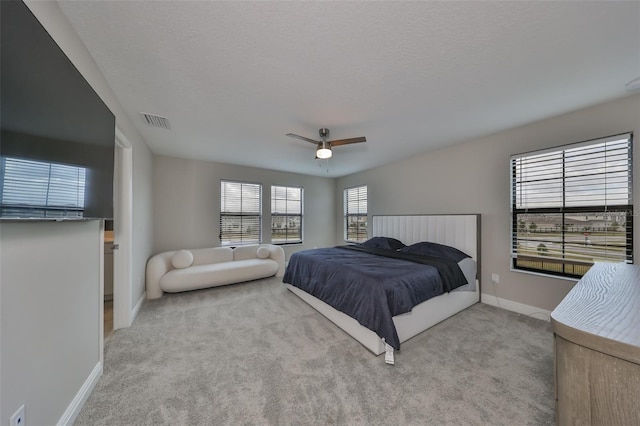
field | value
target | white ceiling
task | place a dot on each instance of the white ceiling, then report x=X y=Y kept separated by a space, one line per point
x=234 y=77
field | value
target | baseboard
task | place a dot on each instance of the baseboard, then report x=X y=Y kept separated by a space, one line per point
x=136 y=309
x=72 y=411
x=520 y=308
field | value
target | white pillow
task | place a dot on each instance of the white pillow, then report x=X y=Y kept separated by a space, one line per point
x=182 y=259
x=263 y=252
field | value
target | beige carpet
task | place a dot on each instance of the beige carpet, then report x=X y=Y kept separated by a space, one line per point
x=255 y=354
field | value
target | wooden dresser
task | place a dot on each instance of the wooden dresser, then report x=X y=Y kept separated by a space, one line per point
x=597 y=348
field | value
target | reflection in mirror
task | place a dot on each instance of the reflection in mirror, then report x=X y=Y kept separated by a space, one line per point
x=40 y=189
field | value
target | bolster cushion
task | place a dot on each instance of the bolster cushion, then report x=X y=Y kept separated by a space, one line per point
x=263 y=252
x=182 y=259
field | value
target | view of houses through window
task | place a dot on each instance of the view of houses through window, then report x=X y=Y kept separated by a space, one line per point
x=545 y=242
x=240 y=213
x=286 y=214
x=572 y=206
x=355 y=213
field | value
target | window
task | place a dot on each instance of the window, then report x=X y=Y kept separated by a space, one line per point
x=572 y=206
x=355 y=214
x=240 y=213
x=286 y=214
x=41 y=189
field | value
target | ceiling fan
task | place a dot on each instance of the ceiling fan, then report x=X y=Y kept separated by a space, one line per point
x=323 y=147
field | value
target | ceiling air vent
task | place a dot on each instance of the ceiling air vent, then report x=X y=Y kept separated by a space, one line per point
x=156 y=120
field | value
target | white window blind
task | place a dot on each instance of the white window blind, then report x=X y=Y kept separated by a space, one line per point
x=355 y=213
x=572 y=206
x=42 y=189
x=240 y=213
x=286 y=214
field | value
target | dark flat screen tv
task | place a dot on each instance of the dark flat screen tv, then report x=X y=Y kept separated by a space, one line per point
x=57 y=135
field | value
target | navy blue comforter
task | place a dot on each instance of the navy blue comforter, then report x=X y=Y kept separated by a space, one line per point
x=369 y=286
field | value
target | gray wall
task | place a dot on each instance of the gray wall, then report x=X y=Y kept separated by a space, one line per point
x=474 y=177
x=48 y=315
x=49 y=304
x=187 y=203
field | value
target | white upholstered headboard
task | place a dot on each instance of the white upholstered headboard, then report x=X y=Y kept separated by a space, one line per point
x=461 y=231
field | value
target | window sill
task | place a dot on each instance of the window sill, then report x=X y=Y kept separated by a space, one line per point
x=542 y=274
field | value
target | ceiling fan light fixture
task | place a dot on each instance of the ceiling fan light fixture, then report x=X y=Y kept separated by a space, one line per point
x=323 y=153
x=323 y=147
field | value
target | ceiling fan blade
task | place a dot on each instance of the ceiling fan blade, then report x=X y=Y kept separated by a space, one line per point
x=302 y=138
x=348 y=141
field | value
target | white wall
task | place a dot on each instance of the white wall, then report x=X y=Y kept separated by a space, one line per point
x=187 y=203
x=60 y=332
x=49 y=321
x=474 y=177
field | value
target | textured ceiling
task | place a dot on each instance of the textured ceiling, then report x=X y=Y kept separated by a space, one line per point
x=234 y=77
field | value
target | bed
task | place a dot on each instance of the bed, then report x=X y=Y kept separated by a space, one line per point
x=458 y=231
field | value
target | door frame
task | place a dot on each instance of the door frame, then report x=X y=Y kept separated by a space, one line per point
x=123 y=232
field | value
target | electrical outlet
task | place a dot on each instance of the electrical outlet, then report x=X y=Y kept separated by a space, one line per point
x=495 y=278
x=18 y=418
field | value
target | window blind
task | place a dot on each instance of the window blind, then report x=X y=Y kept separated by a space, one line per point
x=286 y=214
x=41 y=188
x=355 y=209
x=572 y=206
x=240 y=213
